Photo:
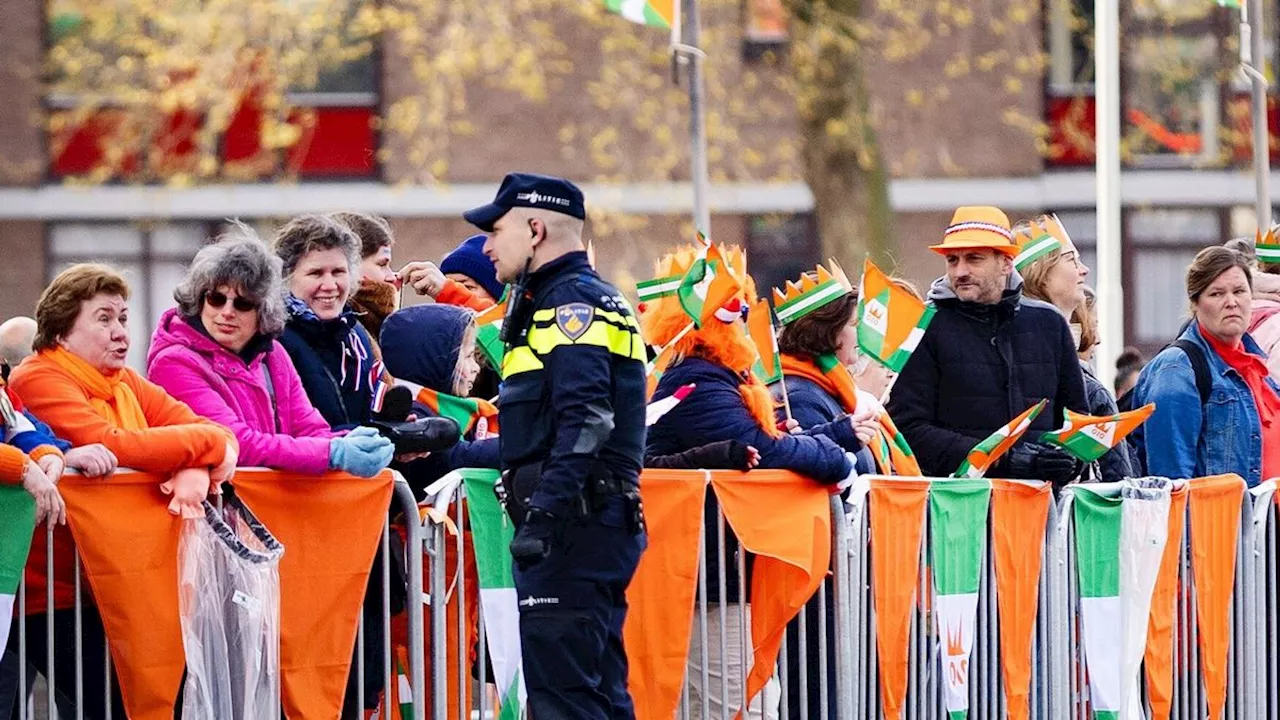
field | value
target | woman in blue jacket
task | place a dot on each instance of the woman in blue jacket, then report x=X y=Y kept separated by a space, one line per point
x=1236 y=429
x=728 y=403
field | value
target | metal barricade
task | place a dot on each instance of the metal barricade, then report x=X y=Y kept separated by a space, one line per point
x=402 y=502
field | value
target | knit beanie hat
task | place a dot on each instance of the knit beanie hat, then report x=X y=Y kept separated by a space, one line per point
x=469 y=259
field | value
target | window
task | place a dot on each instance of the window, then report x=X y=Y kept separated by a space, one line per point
x=153 y=258
x=1161 y=244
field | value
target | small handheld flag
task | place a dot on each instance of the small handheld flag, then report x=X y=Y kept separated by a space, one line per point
x=1089 y=438
x=986 y=453
x=654 y=13
x=768 y=365
x=891 y=321
x=663 y=360
x=656 y=409
x=708 y=285
x=489 y=331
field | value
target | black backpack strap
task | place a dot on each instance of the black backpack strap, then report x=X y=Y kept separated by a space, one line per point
x=1199 y=365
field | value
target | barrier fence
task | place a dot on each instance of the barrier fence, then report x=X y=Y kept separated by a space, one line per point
x=905 y=598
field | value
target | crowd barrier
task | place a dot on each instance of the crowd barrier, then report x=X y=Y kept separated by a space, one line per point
x=902 y=598
x=330 y=527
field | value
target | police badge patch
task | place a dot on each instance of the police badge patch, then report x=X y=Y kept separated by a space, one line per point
x=574 y=319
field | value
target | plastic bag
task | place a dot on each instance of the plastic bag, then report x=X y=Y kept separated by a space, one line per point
x=229 y=602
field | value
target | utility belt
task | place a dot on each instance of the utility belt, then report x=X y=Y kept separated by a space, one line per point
x=604 y=495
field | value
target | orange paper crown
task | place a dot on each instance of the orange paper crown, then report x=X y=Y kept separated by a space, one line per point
x=811 y=291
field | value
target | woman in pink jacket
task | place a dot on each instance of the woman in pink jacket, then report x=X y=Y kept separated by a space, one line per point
x=216 y=351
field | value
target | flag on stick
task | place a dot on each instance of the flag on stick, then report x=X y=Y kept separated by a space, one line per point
x=1089 y=438
x=891 y=321
x=986 y=453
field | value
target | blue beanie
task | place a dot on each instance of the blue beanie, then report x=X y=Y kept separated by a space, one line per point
x=469 y=259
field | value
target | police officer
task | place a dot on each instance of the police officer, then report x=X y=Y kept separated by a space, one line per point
x=572 y=410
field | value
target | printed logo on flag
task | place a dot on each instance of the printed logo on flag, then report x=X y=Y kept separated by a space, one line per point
x=1104 y=433
x=957 y=670
x=877 y=316
x=574 y=319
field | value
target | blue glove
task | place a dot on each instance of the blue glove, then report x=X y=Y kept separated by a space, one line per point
x=361 y=452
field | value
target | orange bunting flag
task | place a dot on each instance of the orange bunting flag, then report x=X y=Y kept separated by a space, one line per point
x=1019 y=515
x=1215 y=531
x=897 y=529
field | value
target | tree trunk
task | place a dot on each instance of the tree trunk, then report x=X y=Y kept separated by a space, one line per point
x=842 y=160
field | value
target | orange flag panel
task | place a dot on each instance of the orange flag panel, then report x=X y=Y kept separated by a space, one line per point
x=897 y=528
x=1215 y=530
x=1020 y=513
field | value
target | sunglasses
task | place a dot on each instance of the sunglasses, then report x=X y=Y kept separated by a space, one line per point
x=241 y=304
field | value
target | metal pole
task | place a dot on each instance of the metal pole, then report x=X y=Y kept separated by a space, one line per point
x=692 y=56
x=1251 y=26
x=1110 y=286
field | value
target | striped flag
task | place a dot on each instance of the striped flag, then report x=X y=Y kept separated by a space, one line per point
x=488 y=329
x=768 y=365
x=469 y=413
x=655 y=13
x=650 y=290
x=1089 y=438
x=958 y=519
x=18 y=510
x=891 y=321
x=986 y=453
x=656 y=409
x=1119 y=546
x=1229 y=4
x=492 y=532
x=662 y=361
x=708 y=285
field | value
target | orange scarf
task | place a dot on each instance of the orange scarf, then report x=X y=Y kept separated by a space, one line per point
x=828 y=373
x=109 y=395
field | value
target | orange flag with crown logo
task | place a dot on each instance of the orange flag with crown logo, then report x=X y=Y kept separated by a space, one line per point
x=897 y=529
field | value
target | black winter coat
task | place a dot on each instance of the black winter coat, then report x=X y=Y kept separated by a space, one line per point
x=978 y=367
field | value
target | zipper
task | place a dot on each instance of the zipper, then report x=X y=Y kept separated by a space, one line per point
x=346 y=417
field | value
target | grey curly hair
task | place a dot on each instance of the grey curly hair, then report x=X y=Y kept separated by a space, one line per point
x=240 y=260
x=306 y=234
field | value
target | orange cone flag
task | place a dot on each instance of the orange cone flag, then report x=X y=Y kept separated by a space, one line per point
x=1158 y=660
x=128 y=544
x=1020 y=512
x=662 y=592
x=897 y=528
x=1215 y=530
x=330 y=526
x=792 y=548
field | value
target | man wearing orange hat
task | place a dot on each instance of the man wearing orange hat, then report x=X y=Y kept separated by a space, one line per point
x=989 y=355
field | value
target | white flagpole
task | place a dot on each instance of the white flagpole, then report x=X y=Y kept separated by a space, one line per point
x=1252 y=51
x=1110 y=284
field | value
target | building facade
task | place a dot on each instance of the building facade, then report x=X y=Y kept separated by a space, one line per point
x=952 y=133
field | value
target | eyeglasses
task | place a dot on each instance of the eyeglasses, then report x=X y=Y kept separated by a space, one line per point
x=240 y=303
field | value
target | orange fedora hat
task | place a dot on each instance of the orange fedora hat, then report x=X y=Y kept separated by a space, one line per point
x=978 y=228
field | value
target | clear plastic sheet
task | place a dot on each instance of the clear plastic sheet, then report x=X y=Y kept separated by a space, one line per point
x=229 y=601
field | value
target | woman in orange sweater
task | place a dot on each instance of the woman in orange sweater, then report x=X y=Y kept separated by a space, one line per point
x=78 y=383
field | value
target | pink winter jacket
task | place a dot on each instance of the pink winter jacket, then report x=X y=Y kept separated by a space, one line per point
x=1266 y=318
x=217 y=384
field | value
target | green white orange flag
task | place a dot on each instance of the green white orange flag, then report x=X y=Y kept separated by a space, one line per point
x=958 y=534
x=660 y=362
x=986 y=453
x=768 y=365
x=891 y=321
x=488 y=330
x=651 y=290
x=492 y=533
x=1120 y=531
x=708 y=285
x=18 y=512
x=655 y=13
x=1090 y=437
x=469 y=413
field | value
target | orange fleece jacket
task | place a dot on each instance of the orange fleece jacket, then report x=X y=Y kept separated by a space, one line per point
x=176 y=438
x=12 y=462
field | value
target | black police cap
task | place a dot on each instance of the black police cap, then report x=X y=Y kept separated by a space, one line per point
x=532 y=191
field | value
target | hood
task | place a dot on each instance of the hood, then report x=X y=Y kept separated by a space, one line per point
x=372 y=303
x=421 y=343
x=1266 y=287
x=174 y=329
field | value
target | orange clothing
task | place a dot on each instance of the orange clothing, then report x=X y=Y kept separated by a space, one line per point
x=12 y=463
x=453 y=293
x=171 y=438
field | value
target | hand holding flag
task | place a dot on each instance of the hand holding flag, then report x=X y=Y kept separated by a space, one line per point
x=986 y=453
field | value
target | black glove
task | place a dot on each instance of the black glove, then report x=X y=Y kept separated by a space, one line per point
x=533 y=540
x=1036 y=461
x=723 y=455
x=432 y=434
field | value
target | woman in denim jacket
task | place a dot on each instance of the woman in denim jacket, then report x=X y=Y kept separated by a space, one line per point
x=1238 y=429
